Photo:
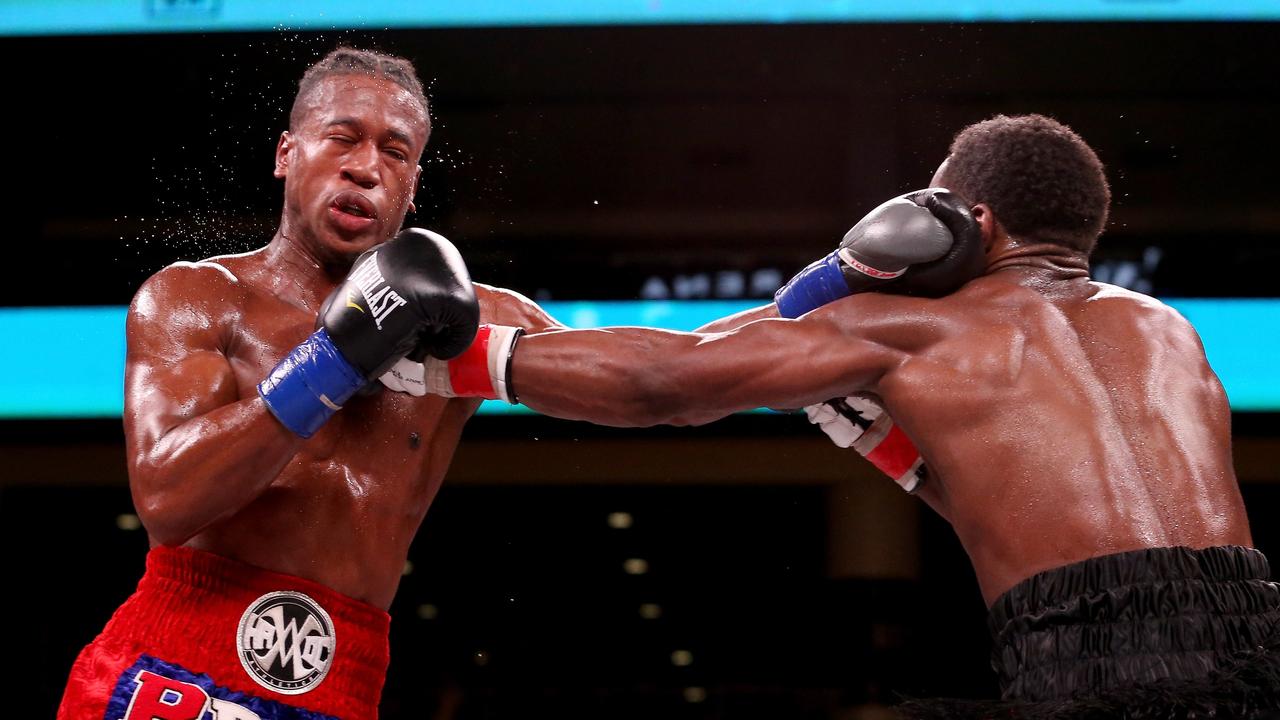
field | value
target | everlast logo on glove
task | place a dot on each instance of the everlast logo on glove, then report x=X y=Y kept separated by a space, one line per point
x=378 y=295
x=431 y=310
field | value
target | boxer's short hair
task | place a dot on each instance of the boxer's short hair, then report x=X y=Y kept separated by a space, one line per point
x=1042 y=180
x=353 y=61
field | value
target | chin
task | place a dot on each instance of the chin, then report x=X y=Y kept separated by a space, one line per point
x=340 y=253
x=340 y=242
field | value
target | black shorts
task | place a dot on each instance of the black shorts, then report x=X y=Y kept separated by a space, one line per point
x=1157 y=633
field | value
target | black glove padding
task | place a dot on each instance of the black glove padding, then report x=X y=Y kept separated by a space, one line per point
x=963 y=261
x=410 y=296
x=923 y=243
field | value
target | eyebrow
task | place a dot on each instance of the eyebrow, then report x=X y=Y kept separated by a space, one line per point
x=352 y=122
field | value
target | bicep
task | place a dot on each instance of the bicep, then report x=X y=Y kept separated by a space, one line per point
x=781 y=363
x=739 y=319
x=500 y=306
x=175 y=370
x=161 y=394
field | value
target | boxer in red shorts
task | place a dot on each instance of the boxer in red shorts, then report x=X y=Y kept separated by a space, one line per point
x=279 y=526
x=279 y=534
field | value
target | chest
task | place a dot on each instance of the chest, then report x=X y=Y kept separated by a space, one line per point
x=377 y=432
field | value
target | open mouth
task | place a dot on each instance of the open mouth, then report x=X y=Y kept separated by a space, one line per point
x=354 y=204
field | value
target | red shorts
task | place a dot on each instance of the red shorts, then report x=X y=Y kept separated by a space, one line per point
x=208 y=637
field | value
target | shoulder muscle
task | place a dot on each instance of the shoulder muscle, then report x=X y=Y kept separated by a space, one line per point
x=183 y=304
x=507 y=307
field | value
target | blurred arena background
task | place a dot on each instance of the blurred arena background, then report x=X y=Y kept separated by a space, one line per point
x=651 y=162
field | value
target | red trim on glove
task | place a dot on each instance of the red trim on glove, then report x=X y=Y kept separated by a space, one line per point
x=895 y=454
x=469 y=372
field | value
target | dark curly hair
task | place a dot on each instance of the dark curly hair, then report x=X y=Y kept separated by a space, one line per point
x=353 y=61
x=1039 y=177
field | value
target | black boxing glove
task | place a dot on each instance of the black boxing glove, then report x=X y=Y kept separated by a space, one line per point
x=409 y=296
x=963 y=261
x=923 y=243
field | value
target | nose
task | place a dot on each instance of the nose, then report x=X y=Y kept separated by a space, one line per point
x=360 y=166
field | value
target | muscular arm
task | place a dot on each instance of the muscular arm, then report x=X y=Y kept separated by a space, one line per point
x=739 y=319
x=507 y=307
x=641 y=376
x=499 y=306
x=197 y=453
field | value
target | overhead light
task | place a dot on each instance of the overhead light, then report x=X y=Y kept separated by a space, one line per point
x=682 y=658
x=620 y=520
x=407 y=569
x=695 y=694
x=635 y=566
x=128 y=521
x=427 y=611
x=651 y=611
x=480 y=658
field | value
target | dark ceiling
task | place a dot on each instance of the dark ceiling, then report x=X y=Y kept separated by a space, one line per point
x=577 y=162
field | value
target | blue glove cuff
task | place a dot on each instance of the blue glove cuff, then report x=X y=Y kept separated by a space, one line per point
x=816 y=285
x=310 y=384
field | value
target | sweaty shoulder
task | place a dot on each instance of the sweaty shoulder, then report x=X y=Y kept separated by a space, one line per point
x=500 y=306
x=1149 y=316
x=1102 y=292
x=905 y=323
x=187 y=295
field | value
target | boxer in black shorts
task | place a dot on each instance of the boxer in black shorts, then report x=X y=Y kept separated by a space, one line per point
x=1074 y=434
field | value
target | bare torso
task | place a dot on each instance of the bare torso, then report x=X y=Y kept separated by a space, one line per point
x=345 y=507
x=1061 y=419
x=1064 y=421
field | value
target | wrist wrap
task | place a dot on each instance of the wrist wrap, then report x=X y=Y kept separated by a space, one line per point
x=310 y=384
x=816 y=285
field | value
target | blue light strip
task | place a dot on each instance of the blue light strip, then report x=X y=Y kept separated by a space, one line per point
x=62 y=362
x=69 y=362
x=70 y=17
x=1242 y=340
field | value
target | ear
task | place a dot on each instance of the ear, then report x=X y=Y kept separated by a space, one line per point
x=987 y=221
x=283 y=148
x=413 y=193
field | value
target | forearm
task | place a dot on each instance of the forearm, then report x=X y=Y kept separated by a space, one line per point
x=623 y=377
x=208 y=468
x=600 y=376
x=639 y=377
x=737 y=320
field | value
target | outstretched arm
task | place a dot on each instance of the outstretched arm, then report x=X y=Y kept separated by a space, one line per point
x=642 y=376
x=738 y=319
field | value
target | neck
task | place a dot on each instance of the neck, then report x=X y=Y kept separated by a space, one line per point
x=1038 y=261
x=298 y=271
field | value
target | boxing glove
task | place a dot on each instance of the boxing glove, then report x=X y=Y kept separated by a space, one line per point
x=923 y=243
x=860 y=422
x=411 y=296
x=483 y=370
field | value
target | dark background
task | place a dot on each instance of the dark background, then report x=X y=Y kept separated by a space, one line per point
x=618 y=163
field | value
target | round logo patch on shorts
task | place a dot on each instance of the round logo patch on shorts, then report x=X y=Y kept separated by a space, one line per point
x=286 y=642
